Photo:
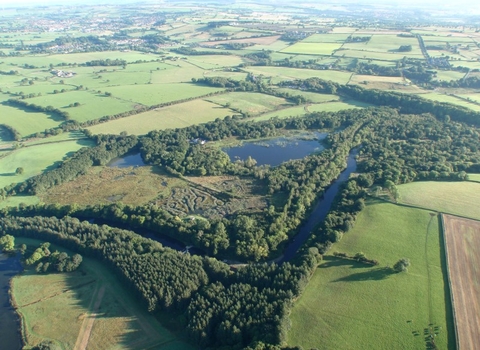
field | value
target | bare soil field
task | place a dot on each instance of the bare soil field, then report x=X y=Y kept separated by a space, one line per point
x=462 y=246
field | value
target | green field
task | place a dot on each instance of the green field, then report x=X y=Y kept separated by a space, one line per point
x=281 y=73
x=36 y=159
x=451 y=99
x=349 y=305
x=67 y=301
x=283 y=113
x=93 y=105
x=474 y=177
x=17 y=200
x=153 y=94
x=311 y=48
x=27 y=122
x=336 y=106
x=457 y=198
x=176 y=116
x=250 y=102
x=311 y=96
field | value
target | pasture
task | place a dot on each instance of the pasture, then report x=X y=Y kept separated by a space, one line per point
x=457 y=198
x=36 y=159
x=462 y=241
x=253 y=103
x=87 y=308
x=27 y=122
x=312 y=48
x=351 y=305
x=92 y=104
x=153 y=94
x=451 y=99
x=281 y=73
x=170 y=117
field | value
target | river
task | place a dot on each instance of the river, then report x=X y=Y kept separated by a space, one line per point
x=320 y=210
x=10 y=336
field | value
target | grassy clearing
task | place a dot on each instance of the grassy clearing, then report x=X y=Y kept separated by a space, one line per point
x=348 y=305
x=283 y=113
x=280 y=74
x=458 y=198
x=93 y=105
x=250 y=102
x=474 y=177
x=176 y=116
x=66 y=300
x=27 y=122
x=336 y=106
x=309 y=48
x=451 y=99
x=311 y=96
x=17 y=200
x=447 y=75
x=36 y=159
x=152 y=94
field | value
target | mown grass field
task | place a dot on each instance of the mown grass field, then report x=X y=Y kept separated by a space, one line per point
x=451 y=99
x=250 y=102
x=93 y=105
x=152 y=94
x=175 y=116
x=312 y=48
x=462 y=240
x=281 y=73
x=59 y=306
x=474 y=177
x=349 y=305
x=458 y=198
x=27 y=122
x=36 y=159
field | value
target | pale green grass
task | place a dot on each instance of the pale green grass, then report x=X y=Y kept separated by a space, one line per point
x=92 y=105
x=27 y=122
x=451 y=99
x=283 y=113
x=382 y=56
x=474 y=177
x=17 y=200
x=458 y=198
x=326 y=38
x=181 y=72
x=312 y=48
x=391 y=43
x=348 y=305
x=153 y=94
x=310 y=96
x=469 y=64
x=67 y=299
x=36 y=159
x=226 y=74
x=336 y=106
x=448 y=39
x=42 y=87
x=176 y=116
x=215 y=61
x=282 y=73
x=474 y=96
x=250 y=102
x=448 y=75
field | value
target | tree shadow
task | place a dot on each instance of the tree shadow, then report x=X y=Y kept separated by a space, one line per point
x=332 y=261
x=376 y=274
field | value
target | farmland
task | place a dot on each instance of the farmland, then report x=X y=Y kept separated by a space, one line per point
x=457 y=198
x=332 y=311
x=462 y=240
x=71 y=301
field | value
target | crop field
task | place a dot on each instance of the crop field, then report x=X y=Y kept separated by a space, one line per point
x=170 y=117
x=27 y=122
x=36 y=159
x=462 y=240
x=153 y=94
x=93 y=105
x=250 y=102
x=87 y=308
x=457 y=198
x=351 y=305
x=281 y=73
x=312 y=48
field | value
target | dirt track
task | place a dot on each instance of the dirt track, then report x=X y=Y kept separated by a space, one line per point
x=462 y=240
x=87 y=325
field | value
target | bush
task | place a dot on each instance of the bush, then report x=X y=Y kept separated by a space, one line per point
x=401 y=265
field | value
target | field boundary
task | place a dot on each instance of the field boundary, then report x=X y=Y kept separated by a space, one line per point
x=452 y=299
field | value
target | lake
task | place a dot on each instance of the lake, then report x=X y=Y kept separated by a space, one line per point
x=127 y=161
x=276 y=151
x=10 y=336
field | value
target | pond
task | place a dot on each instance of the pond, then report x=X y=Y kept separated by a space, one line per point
x=126 y=161
x=276 y=151
x=9 y=321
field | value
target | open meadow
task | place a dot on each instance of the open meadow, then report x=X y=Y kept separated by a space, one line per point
x=87 y=308
x=351 y=305
x=170 y=117
x=457 y=198
x=462 y=241
x=27 y=122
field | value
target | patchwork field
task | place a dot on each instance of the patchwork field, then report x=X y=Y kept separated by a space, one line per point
x=350 y=305
x=458 y=198
x=175 y=116
x=462 y=240
x=87 y=308
x=36 y=159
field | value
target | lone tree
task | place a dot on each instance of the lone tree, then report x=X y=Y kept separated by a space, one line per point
x=19 y=171
x=401 y=265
